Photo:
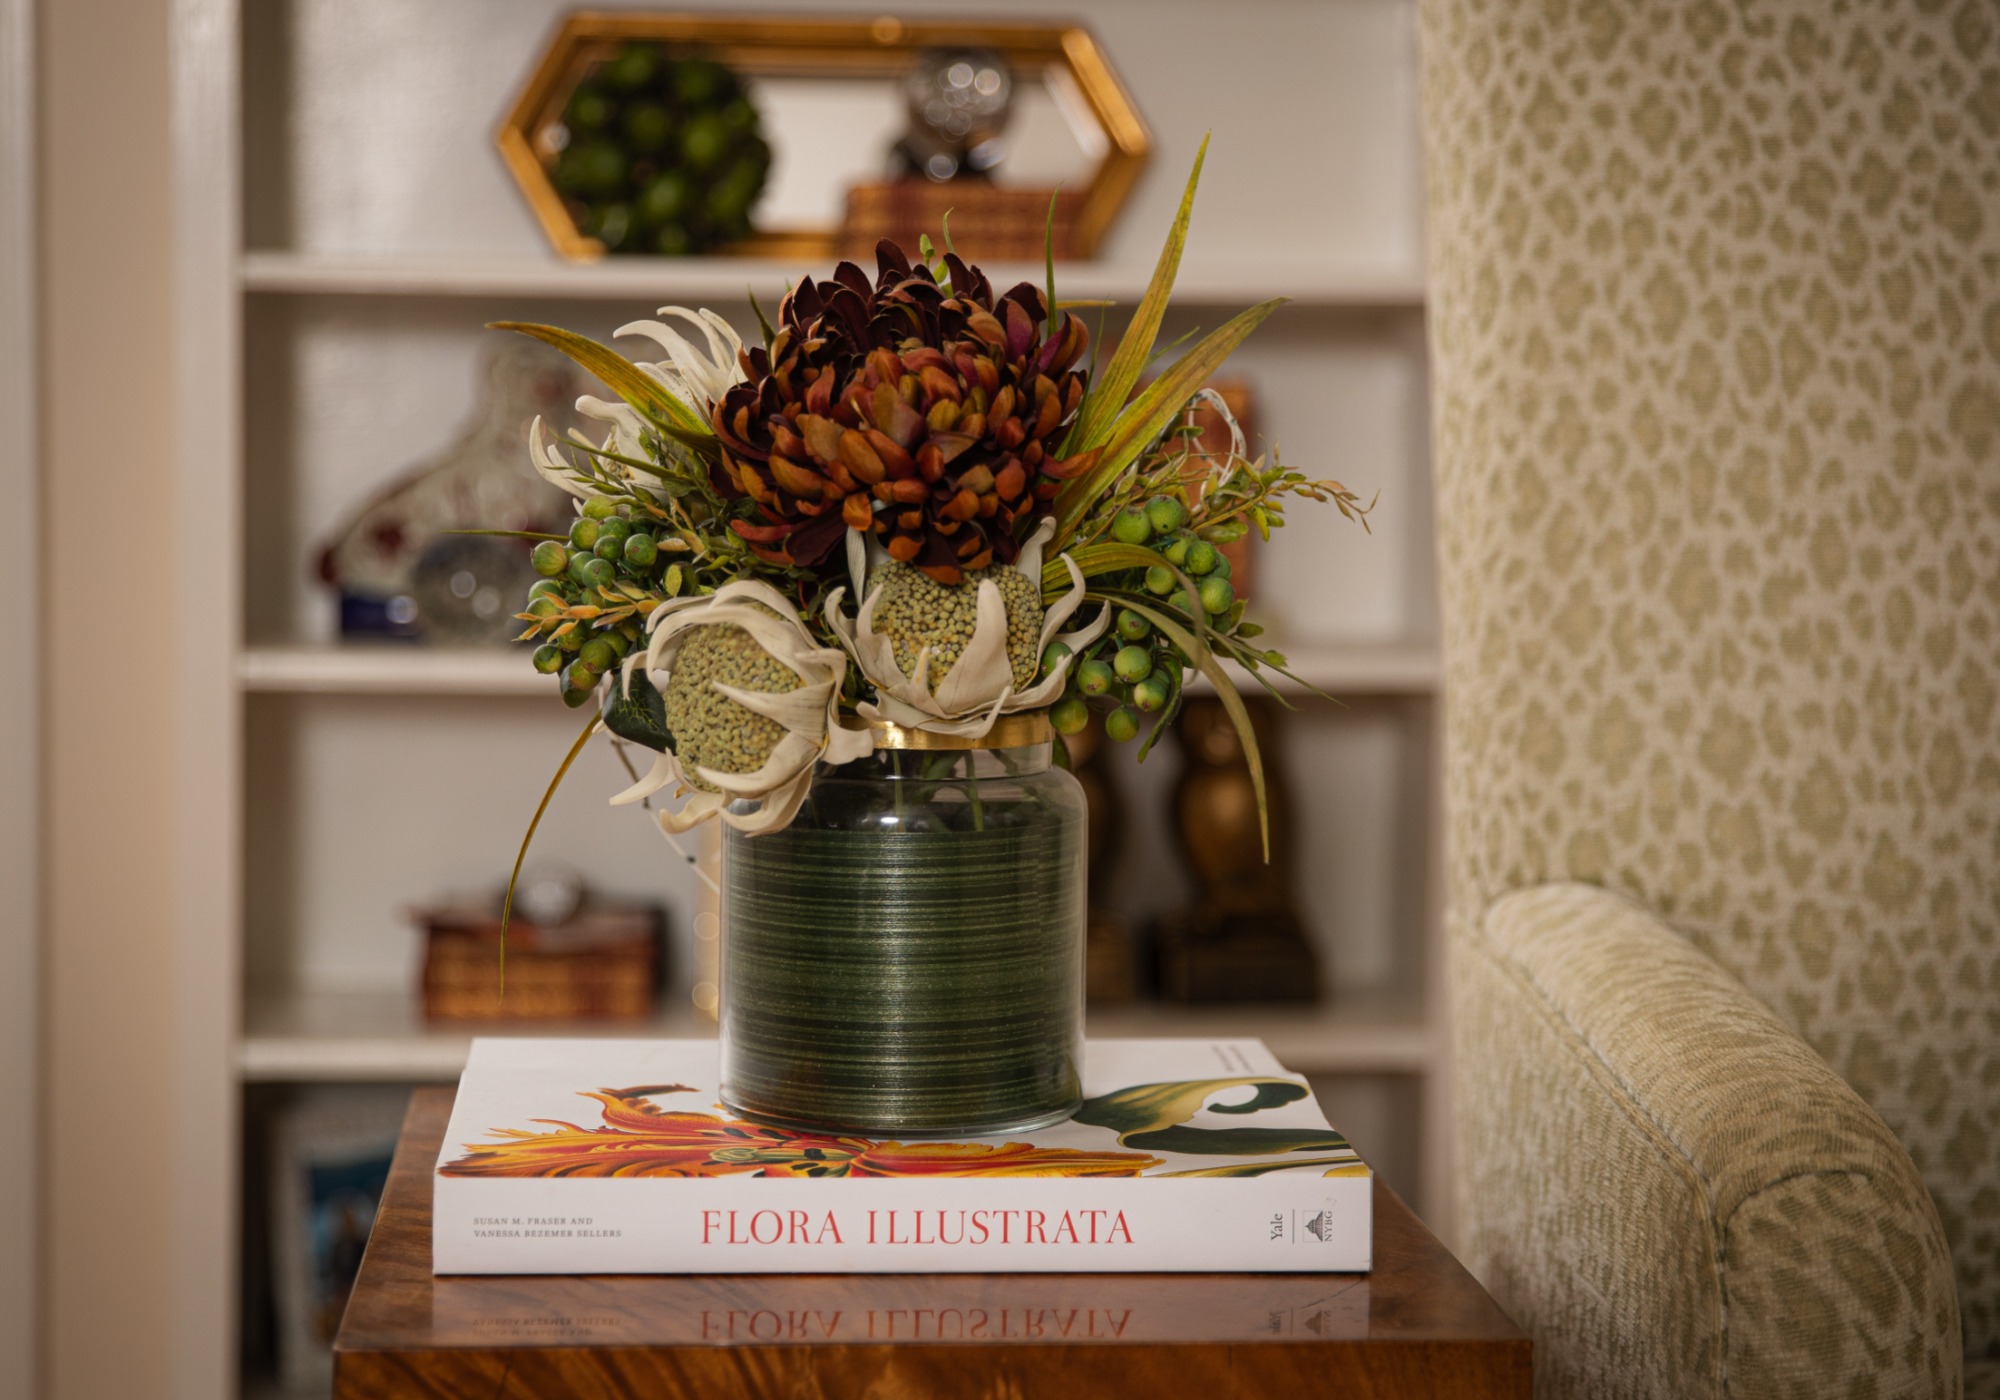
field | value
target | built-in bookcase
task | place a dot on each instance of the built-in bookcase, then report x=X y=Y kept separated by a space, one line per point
x=347 y=230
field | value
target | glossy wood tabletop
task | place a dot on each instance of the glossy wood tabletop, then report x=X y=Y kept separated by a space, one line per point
x=1418 y=1325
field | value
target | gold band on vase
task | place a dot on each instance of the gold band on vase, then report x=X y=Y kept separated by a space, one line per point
x=1016 y=731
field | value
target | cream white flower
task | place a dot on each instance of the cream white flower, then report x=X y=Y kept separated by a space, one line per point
x=983 y=678
x=696 y=378
x=757 y=739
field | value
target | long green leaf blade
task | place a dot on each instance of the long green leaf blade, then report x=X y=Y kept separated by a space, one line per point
x=1149 y=414
x=1107 y=396
x=528 y=837
x=625 y=379
x=1103 y=557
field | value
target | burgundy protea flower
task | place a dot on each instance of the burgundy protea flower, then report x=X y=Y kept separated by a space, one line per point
x=929 y=417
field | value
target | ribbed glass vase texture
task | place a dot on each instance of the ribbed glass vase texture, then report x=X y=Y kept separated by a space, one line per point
x=906 y=958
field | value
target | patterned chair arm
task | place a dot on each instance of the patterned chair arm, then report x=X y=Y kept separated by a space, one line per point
x=1668 y=1187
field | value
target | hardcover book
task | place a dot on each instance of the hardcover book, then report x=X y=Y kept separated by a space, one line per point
x=617 y=1156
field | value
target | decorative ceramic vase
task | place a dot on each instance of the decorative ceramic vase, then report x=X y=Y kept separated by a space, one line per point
x=906 y=958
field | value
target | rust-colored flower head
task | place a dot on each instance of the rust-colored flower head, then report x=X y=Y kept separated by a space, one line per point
x=929 y=417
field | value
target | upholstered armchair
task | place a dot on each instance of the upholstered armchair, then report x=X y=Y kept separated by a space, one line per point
x=1715 y=331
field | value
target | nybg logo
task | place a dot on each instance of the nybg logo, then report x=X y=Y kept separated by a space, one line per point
x=1320 y=1227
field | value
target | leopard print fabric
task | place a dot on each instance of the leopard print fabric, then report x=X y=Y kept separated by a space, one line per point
x=1715 y=324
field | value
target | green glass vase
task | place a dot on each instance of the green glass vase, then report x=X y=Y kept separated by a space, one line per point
x=906 y=958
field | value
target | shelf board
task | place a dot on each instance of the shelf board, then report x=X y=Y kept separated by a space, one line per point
x=1369 y=668
x=361 y=1037
x=390 y=670
x=358 y=1037
x=658 y=280
x=1347 y=669
x=1387 y=1036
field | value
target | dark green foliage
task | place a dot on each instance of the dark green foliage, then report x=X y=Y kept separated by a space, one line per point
x=664 y=153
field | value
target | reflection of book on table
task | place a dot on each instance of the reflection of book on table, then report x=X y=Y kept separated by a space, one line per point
x=899 y=1308
x=606 y=1156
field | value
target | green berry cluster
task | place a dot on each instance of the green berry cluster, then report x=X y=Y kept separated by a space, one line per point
x=589 y=606
x=1134 y=668
x=661 y=152
x=916 y=611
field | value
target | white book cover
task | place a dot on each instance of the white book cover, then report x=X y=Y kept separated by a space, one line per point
x=617 y=1156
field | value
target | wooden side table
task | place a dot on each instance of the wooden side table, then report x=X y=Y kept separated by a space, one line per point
x=1419 y=1325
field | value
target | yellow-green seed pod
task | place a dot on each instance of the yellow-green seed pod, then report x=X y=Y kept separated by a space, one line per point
x=916 y=611
x=711 y=730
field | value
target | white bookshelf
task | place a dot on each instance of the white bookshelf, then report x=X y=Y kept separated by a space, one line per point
x=333 y=279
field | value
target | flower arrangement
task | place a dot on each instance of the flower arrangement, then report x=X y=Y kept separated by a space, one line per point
x=916 y=503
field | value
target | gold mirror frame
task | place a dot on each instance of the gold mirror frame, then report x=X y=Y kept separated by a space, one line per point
x=801 y=46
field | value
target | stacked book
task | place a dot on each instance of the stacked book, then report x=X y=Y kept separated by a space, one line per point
x=618 y=1156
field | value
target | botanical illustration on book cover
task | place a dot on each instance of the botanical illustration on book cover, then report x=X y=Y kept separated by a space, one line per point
x=1145 y=1129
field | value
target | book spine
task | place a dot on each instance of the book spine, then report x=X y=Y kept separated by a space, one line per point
x=1272 y=1224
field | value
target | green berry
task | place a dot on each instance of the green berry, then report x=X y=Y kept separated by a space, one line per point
x=1151 y=693
x=548 y=659
x=641 y=552
x=571 y=641
x=549 y=558
x=614 y=529
x=572 y=697
x=619 y=643
x=704 y=140
x=1177 y=550
x=611 y=223
x=1094 y=677
x=592 y=168
x=1132 y=663
x=1223 y=568
x=1052 y=657
x=583 y=533
x=581 y=677
x=588 y=109
x=647 y=126
x=1160 y=581
x=1130 y=526
x=542 y=605
x=546 y=588
x=667 y=198
x=598 y=508
x=1166 y=513
x=633 y=68
x=1070 y=714
x=1121 y=725
x=1202 y=557
x=609 y=548
x=1217 y=596
x=597 y=655
x=1131 y=626
x=597 y=572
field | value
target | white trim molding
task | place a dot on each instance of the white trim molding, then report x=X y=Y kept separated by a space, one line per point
x=20 y=721
x=207 y=767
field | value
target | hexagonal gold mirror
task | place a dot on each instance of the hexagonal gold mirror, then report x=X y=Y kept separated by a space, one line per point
x=680 y=133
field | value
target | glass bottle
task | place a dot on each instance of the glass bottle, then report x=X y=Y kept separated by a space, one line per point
x=906 y=958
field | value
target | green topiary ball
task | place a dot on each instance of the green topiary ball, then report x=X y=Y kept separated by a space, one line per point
x=661 y=152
